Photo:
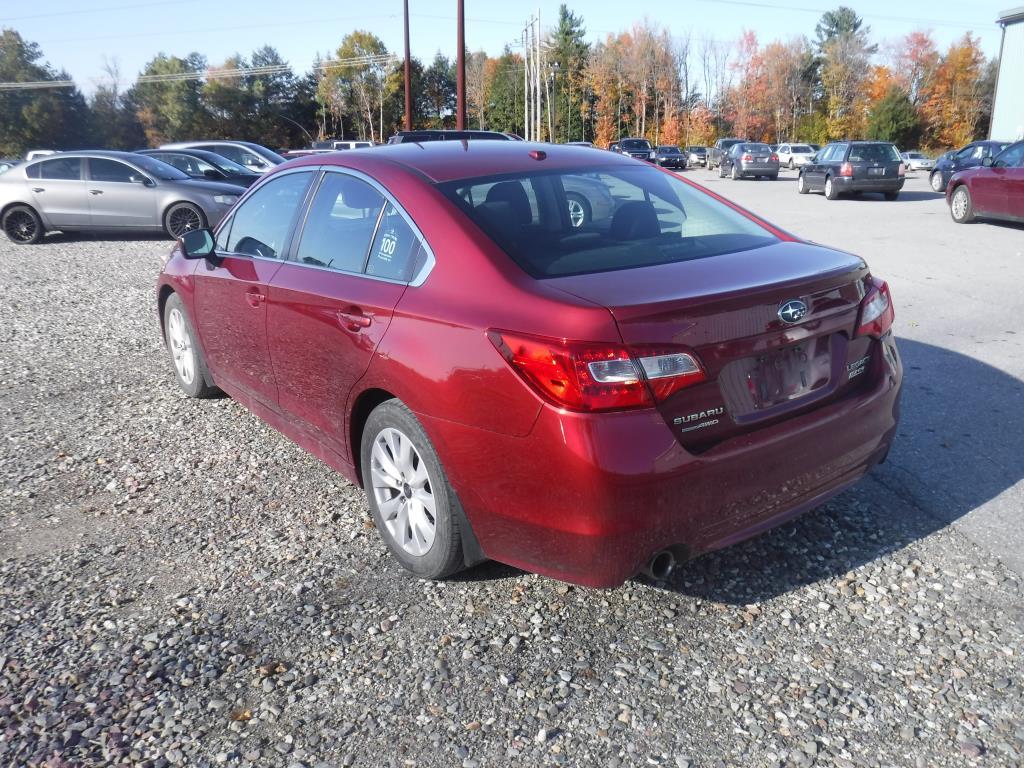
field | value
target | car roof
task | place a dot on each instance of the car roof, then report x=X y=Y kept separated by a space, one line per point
x=111 y=153
x=442 y=161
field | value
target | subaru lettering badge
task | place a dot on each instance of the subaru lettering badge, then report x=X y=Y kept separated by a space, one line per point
x=792 y=311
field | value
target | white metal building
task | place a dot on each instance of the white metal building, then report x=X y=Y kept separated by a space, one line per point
x=1008 y=108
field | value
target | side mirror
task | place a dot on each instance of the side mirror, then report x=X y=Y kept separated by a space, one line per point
x=987 y=162
x=197 y=244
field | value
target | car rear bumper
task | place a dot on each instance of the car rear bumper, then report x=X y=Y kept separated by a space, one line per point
x=759 y=169
x=589 y=498
x=888 y=184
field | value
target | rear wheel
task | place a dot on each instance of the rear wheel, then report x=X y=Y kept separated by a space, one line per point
x=735 y=173
x=960 y=205
x=579 y=209
x=22 y=225
x=830 y=189
x=891 y=195
x=721 y=171
x=183 y=217
x=414 y=508
x=935 y=181
x=791 y=164
x=773 y=177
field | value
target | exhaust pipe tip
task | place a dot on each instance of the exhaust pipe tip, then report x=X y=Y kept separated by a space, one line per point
x=660 y=566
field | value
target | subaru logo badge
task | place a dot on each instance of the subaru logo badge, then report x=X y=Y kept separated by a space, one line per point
x=793 y=311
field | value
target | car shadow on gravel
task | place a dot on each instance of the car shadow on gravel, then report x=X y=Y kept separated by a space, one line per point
x=56 y=238
x=955 y=451
x=906 y=196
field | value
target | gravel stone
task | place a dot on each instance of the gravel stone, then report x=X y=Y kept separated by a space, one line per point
x=181 y=585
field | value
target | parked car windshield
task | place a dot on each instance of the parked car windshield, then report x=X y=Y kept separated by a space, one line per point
x=635 y=144
x=800 y=149
x=669 y=150
x=878 y=153
x=267 y=154
x=158 y=168
x=636 y=217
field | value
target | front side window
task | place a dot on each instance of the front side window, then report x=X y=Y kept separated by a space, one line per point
x=67 y=168
x=340 y=224
x=101 y=169
x=262 y=222
x=635 y=217
x=1010 y=158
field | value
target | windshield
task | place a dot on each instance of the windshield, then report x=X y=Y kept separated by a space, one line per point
x=596 y=220
x=635 y=144
x=221 y=163
x=669 y=150
x=800 y=149
x=158 y=168
x=267 y=154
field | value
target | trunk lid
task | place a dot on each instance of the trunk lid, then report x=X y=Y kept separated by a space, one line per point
x=726 y=309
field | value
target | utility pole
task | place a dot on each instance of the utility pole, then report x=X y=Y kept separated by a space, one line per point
x=460 y=66
x=408 y=85
x=536 y=79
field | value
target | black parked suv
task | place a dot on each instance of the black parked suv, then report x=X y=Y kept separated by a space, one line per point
x=971 y=156
x=854 y=167
x=641 y=149
x=722 y=147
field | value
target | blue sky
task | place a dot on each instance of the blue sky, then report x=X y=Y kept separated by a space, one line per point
x=77 y=35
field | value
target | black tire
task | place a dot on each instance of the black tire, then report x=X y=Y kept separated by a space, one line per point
x=721 y=171
x=891 y=195
x=735 y=174
x=444 y=556
x=791 y=164
x=773 y=177
x=183 y=217
x=584 y=207
x=831 y=192
x=935 y=182
x=961 y=201
x=200 y=385
x=801 y=185
x=22 y=225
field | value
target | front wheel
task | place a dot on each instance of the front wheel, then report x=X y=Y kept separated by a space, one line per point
x=960 y=206
x=189 y=363
x=831 y=192
x=413 y=506
x=935 y=181
x=183 y=217
x=801 y=184
x=22 y=225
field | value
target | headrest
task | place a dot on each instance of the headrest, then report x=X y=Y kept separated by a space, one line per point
x=635 y=220
x=512 y=192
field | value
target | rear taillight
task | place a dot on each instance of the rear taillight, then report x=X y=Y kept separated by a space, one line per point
x=582 y=376
x=876 y=312
x=846 y=169
x=902 y=170
x=748 y=158
x=774 y=158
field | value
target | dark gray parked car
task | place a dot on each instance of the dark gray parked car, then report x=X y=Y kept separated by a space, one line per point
x=749 y=159
x=669 y=156
x=99 y=190
x=854 y=167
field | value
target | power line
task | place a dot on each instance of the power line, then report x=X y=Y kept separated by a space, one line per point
x=127 y=7
x=881 y=17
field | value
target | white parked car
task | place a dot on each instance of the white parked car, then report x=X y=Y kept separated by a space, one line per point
x=794 y=155
x=916 y=161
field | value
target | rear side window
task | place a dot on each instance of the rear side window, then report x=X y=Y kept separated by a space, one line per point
x=396 y=253
x=874 y=153
x=69 y=168
x=262 y=222
x=557 y=223
x=340 y=224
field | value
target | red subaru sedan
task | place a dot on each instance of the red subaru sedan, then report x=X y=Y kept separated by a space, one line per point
x=586 y=392
x=993 y=190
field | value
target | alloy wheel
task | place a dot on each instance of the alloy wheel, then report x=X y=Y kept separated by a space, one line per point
x=936 y=182
x=403 y=491
x=180 y=342
x=21 y=226
x=577 y=215
x=959 y=204
x=184 y=219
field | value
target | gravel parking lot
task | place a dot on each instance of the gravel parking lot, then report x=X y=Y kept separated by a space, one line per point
x=182 y=586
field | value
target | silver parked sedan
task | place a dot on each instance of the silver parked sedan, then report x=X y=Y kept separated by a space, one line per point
x=749 y=159
x=100 y=190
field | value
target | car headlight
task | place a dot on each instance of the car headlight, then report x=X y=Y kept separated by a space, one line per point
x=225 y=199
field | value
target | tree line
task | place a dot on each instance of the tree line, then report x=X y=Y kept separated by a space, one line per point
x=672 y=89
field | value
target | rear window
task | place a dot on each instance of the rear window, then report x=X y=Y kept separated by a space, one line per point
x=874 y=153
x=801 y=149
x=762 y=148
x=635 y=144
x=597 y=220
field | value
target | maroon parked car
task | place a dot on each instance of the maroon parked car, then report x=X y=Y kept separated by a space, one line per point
x=993 y=190
x=587 y=400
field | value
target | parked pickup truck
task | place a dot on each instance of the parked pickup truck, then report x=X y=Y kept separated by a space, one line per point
x=721 y=148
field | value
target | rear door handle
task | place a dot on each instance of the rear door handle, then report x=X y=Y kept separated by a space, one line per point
x=95 y=191
x=354 y=321
x=255 y=299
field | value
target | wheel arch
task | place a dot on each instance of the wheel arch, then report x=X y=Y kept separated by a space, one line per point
x=161 y=302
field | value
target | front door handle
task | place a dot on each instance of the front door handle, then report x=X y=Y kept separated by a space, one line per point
x=38 y=189
x=255 y=299
x=354 y=321
x=95 y=191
